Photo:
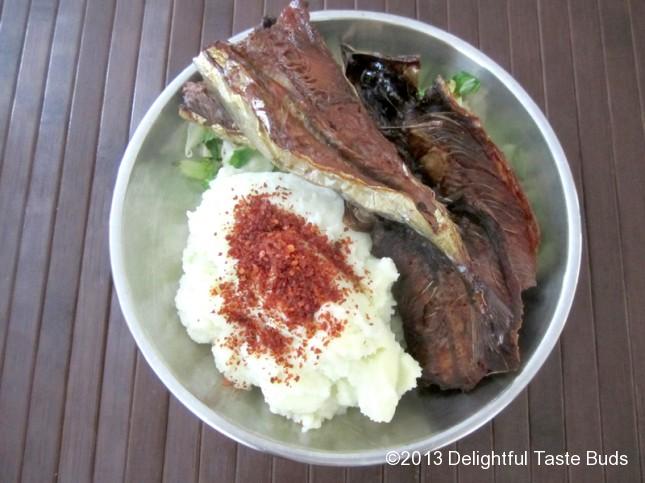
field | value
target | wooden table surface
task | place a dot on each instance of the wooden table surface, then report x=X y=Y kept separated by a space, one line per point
x=77 y=400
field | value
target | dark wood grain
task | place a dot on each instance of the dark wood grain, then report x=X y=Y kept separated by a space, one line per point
x=40 y=455
x=218 y=21
x=401 y=474
x=217 y=457
x=434 y=12
x=148 y=426
x=116 y=400
x=246 y=14
x=253 y=466
x=183 y=439
x=274 y=7
x=338 y=4
x=12 y=34
x=583 y=427
x=17 y=152
x=287 y=470
x=20 y=261
x=367 y=474
x=77 y=401
x=21 y=316
x=622 y=428
x=636 y=13
x=373 y=5
x=405 y=8
x=438 y=470
x=82 y=185
x=117 y=376
x=326 y=474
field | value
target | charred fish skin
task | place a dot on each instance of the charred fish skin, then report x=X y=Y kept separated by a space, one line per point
x=453 y=154
x=479 y=173
x=300 y=111
x=456 y=342
x=451 y=150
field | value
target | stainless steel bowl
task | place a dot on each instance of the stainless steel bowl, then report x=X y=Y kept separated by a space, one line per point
x=148 y=231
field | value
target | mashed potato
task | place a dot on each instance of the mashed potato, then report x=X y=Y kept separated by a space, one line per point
x=363 y=366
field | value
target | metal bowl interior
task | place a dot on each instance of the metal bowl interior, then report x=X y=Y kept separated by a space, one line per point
x=148 y=232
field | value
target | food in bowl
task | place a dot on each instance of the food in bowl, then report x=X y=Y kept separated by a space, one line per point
x=291 y=300
x=417 y=173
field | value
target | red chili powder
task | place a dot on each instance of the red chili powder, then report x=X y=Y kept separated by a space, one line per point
x=287 y=269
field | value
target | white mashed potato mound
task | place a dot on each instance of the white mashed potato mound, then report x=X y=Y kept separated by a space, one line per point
x=363 y=367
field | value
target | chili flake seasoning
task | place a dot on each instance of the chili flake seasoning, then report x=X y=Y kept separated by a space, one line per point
x=286 y=270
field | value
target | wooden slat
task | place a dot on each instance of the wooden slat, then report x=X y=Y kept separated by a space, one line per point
x=511 y=433
x=525 y=48
x=480 y=442
x=217 y=23
x=373 y=5
x=637 y=18
x=251 y=465
x=22 y=107
x=87 y=171
x=274 y=7
x=439 y=470
x=434 y=12
x=494 y=38
x=149 y=412
x=584 y=428
x=463 y=20
x=401 y=474
x=623 y=428
x=185 y=35
x=246 y=14
x=148 y=425
x=217 y=457
x=339 y=4
x=12 y=34
x=326 y=474
x=116 y=399
x=21 y=315
x=118 y=361
x=183 y=437
x=405 y=8
x=46 y=403
x=366 y=474
x=582 y=416
x=287 y=470
x=153 y=56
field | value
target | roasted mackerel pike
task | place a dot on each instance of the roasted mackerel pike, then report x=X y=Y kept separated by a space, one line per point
x=447 y=147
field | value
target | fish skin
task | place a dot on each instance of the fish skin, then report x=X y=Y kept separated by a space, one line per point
x=456 y=344
x=288 y=114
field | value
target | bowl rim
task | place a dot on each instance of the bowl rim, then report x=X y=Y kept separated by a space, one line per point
x=366 y=457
